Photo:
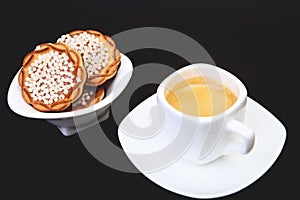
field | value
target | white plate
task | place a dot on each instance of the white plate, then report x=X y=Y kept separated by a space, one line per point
x=222 y=177
x=83 y=117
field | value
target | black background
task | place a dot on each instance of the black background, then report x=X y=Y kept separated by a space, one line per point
x=257 y=40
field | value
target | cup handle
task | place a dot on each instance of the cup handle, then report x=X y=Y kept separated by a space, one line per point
x=241 y=140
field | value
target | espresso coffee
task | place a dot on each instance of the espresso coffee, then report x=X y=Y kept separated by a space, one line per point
x=200 y=96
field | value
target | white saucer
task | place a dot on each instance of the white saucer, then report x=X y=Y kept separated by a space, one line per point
x=226 y=175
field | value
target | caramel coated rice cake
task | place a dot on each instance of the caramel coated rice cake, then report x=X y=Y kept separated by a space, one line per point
x=101 y=58
x=52 y=77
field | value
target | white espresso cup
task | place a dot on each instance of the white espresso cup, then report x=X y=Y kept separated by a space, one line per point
x=212 y=136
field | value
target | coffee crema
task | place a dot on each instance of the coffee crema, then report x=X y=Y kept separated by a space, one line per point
x=199 y=96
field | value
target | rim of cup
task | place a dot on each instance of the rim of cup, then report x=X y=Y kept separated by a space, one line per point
x=218 y=71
